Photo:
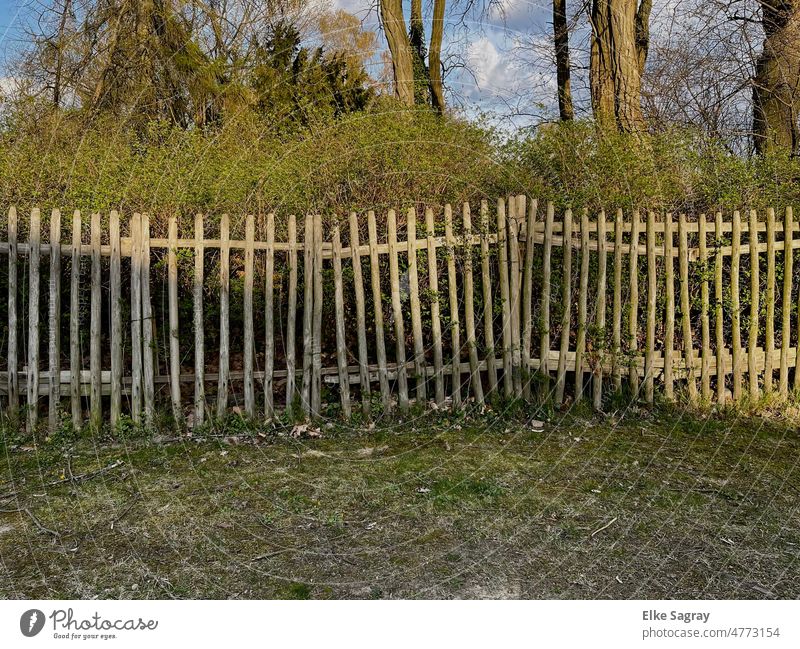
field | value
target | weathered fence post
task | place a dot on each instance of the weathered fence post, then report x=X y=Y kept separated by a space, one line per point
x=752 y=337
x=686 y=318
x=224 y=315
x=566 y=300
x=544 y=325
x=602 y=263
x=397 y=312
x=736 y=332
x=455 y=336
x=199 y=333
x=488 y=310
x=148 y=327
x=469 y=309
x=341 y=340
x=136 y=317
x=416 y=309
x=115 y=295
x=583 y=296
x=174 y=325
x=291 y=318
x=705 y=333
x=436 y=324
x=249 y=345
x=54 y=329
x=650 y=334
x=75 y=324
x=361 y=318
x=269 y=319
x=13 y=351
x=34 y=259
x=769 y=332
x=669 y=312
x=95 y=359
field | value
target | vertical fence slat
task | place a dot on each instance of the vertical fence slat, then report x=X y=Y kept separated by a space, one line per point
x=455 y=335
x=174 y=325
x=516 y=210
x=752 y=337
x=469 y=309
x=397 y=312
x=769 y=325
x=116 y=318
x=600 y=344
x=341 y=340
x=247 y=302
x=502 y=248
x=436 y=322
x=786 y=303
x=650 y=334
x=514 y=269
x=75 y=324
x=705 y=333
x=566 y=303
x=358 y=287
x=686 y=317
x=583 y=297
x=544 y=325
x=224 y=314
x=269 y=319
x=616 y=308
x=136 y=317
x=249 y=345
x=54 y=329
x=736 y=332
x=377 y=299
x=796 y=383
x=199 y=332
x=527 y=297
x=416 y=311
x=148 y=326
x=669 y=314
x=291 y=316
x=34 y=259
x=95 y=359
x=719 y=330
x=13 y=323
x=308 y=308
x=488 y=311
x=633 y=315
x=316 y=365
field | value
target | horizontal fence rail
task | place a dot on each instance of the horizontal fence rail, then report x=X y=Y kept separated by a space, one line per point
x=376 y=312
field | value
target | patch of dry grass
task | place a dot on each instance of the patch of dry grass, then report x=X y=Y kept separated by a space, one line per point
x=660 y=505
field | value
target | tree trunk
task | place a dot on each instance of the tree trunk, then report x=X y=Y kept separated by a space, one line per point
x=561 y=41
x=416 y=38
x=60 y=54
x=435 y=57
x=395 y=27
x=776 y=86
x=620 y=35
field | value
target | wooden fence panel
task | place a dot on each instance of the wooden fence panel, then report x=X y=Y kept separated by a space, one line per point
x=515 y=294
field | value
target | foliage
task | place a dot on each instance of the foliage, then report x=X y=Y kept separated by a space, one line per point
x=679 y=170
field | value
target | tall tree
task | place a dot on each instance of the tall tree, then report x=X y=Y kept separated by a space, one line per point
x=394 y=25
x=620 y=39
x=435 y=57
x=416 y=39
x=561 y=41
x=414 y=80
x=776 y=86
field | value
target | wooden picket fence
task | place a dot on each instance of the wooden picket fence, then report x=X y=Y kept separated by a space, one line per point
x=526 y=312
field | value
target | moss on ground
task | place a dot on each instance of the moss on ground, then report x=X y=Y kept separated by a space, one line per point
x=662 y=504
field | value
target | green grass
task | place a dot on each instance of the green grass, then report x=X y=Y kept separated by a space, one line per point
x=436 y=506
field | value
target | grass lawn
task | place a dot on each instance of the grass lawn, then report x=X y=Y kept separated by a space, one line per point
x=645 y=505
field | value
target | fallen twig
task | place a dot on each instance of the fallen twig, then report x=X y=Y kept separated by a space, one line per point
x=36 y=521
x=605 y=527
